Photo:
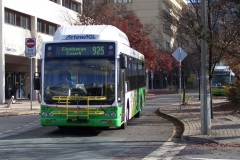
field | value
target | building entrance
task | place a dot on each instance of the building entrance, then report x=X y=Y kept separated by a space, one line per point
x=15 y=85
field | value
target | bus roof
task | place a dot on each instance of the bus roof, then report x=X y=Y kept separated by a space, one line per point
x=96 y=33
x=90 y=33
x=223 y=69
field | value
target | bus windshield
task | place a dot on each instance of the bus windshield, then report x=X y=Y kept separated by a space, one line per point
x=79 y=77
x=221 y=78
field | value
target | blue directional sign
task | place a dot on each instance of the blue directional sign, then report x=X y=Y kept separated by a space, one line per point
x=179 y=54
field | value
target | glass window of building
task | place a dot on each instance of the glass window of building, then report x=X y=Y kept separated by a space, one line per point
x=17 y=19
x=55 y=1
x=46 y=27
x=73 y=5
x=168 y=46
x=122 y=1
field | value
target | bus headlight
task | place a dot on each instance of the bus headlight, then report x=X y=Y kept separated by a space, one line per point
x=50 y=114
x=114 y=114
x=107 y=114
x=44 y=114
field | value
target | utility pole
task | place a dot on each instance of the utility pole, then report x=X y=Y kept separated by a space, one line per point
x=205 y=92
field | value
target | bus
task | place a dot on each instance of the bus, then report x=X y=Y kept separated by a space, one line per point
x=90 y=77
x=222 y=77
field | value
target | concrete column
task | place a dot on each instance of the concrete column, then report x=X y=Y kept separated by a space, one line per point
x=2 y=54
x=34 y=59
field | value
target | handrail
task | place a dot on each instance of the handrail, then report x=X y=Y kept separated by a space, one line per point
x=66 y=98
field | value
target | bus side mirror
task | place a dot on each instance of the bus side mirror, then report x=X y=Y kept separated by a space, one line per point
x=36 y=81
x=123 y=61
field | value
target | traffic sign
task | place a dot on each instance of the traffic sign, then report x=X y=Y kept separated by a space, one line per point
x=179 y=54
x=30 y=43
x=30 y=47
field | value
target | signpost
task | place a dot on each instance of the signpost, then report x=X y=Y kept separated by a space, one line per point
x=179 y=55
x=30 y=51
x=30 y=47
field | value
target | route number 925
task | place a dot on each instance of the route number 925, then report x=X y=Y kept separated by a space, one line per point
x=98 y=50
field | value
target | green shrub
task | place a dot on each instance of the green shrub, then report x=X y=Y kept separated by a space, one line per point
x=232 y=94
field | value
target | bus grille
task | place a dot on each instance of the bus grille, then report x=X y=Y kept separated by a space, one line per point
x=81 y=114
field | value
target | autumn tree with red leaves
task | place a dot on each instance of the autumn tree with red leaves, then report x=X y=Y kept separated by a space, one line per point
x=116 y=14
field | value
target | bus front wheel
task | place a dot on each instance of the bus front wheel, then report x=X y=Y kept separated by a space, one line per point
x=124 y=125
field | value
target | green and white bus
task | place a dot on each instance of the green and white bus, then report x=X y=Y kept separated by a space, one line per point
x=91 y=77
x=222 y=77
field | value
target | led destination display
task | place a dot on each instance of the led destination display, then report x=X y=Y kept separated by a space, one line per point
x=80 y=49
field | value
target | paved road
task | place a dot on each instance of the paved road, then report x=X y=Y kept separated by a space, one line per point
x=14 y=125
x=145 y=137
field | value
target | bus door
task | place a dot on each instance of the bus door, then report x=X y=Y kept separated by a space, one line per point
x=123 y=87
x=124 y=90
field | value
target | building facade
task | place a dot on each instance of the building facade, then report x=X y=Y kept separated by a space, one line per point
x=21 y=19
x=150 y=13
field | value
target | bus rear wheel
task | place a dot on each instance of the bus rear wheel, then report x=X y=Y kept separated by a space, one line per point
x=140 y=110
x=138 y=114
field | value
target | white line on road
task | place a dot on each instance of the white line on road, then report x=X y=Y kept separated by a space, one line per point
x=167 y=151
x=20 y=129
x=210 y=159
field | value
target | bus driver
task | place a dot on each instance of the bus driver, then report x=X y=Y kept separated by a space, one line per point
x=65 y=80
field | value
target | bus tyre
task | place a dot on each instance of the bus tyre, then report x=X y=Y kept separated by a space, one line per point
x=140 y=111
x=124 y=125
x=138 y=114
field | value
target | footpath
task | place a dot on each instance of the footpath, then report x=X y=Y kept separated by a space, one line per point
x=224 y=126
x=20 y=107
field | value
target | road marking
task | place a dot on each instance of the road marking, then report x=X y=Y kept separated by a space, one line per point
x=7 y=131
x=19 y=129
x=167 y=151
x=210 y=159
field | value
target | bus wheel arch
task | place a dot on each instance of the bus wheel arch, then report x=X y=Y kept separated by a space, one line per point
x=124 y=124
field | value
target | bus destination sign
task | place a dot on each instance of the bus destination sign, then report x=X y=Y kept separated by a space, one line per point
x=80 y=49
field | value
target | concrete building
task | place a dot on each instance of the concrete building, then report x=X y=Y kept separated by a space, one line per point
x=149 y=12
x=21 y=19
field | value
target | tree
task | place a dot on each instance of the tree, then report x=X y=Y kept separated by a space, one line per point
x=222 y=34
x=175 y=27
x=110 y=13
x=233 y=60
